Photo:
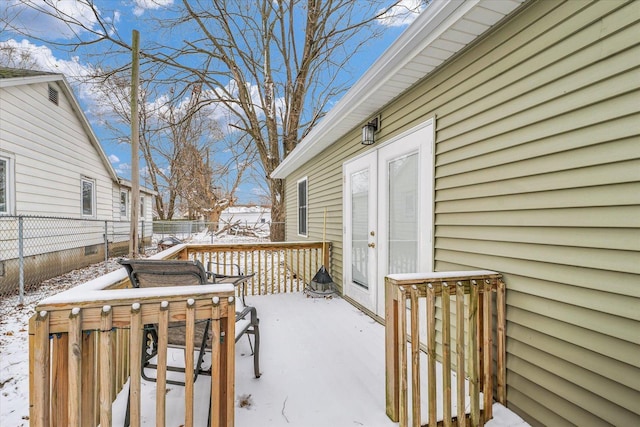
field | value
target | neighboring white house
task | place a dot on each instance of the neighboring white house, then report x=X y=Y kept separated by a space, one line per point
x=52 y=165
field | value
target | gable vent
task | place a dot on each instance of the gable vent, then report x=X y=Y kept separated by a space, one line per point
x=53 y=95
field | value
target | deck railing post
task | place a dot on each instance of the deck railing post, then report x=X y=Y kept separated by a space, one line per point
x=392 y=376
x=39 y=353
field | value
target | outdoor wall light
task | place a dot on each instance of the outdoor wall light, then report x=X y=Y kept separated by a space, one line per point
x=368 y=132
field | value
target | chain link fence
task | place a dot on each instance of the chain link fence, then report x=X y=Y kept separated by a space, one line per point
x=34 y=249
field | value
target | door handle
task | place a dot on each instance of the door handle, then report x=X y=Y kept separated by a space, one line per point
x=372 y=245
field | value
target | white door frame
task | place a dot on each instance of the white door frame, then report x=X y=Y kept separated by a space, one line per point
x=416 y=140
x=364 y=296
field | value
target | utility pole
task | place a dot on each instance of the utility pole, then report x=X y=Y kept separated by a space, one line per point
x=135 y=146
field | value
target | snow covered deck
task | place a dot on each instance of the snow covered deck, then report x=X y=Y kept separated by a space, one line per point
x=322 y=364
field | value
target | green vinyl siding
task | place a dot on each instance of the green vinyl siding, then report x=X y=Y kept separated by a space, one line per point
x=537 y=176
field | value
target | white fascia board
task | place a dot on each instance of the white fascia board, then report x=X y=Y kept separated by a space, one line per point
x=18 y=81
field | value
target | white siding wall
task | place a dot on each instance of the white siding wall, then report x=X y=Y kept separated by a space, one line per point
x=52 y=152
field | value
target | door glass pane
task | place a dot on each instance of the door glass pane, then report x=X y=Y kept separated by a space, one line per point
x=359 y=227
x=403 y=214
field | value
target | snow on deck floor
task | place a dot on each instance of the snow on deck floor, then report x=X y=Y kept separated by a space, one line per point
x=322 y=364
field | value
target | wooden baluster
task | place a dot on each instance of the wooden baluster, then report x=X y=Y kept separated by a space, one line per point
x=402 y=356
x=460 y=361
x=446 y=355
x=161 y=371
x=189 y=363
x=215 y=403
x=501 y=367
x=75 y=368
x=431 y=352
x=135 y=364
x=415 y=357
x=106 y=365
x=59 y=380
x=474 y=360
x=487 y=351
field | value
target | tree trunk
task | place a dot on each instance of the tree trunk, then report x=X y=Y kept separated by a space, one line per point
x=278 y=210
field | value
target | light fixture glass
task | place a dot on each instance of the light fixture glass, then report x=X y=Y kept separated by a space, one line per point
x=368 y=132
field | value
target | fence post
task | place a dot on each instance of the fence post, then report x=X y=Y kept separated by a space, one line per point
x=21 y=257
x=106 y=244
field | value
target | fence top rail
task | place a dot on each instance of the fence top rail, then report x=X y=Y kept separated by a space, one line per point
x=441 y=276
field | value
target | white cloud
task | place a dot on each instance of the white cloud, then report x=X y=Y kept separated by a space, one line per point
x=142 y=5
x=114 y=159
x=42 y=58
x=123 y=169
x=404 y=13
x=45 y=18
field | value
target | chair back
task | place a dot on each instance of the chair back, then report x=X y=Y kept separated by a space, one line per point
x=146 y=273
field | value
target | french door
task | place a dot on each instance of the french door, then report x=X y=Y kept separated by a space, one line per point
x=388 y=211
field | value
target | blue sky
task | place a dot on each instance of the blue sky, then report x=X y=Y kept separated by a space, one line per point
x=124 y=16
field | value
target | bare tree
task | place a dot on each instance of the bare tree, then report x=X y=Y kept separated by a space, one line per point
x=185 y=152
x=274 y=65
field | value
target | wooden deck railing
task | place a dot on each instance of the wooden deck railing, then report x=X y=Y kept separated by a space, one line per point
x=278 y=267
x=96 y=341
x=467 y=342
x=84 y=343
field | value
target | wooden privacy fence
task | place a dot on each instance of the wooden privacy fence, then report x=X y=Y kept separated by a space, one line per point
x=83 y=346
x=278 y=267
x=460 y=329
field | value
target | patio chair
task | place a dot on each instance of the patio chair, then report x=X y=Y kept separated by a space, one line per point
x=146 y=273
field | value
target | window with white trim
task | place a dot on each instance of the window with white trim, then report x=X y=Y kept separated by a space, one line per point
x=124 y=203
x=302 y=206
x=6 y=184
x=88 y=188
